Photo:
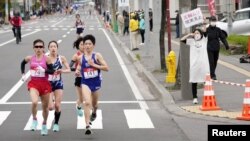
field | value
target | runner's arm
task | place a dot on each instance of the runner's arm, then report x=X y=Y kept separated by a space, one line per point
x=103 y=65
x=78 y=68
x=23 y=66
x=66 y=65
x=50 y=69
x=24 y=62
x=72 y=62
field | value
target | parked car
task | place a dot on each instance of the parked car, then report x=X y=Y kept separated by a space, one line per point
x=240 y=24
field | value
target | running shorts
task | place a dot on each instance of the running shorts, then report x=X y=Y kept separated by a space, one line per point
x=42 y=86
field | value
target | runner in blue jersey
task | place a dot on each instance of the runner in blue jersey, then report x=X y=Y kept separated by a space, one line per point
x=56 y=81
x=90 y=66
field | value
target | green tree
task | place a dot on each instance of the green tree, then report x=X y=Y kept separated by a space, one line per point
x=2 y=6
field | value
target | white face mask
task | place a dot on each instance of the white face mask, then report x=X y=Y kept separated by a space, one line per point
x=213 y=23
x=197 y=37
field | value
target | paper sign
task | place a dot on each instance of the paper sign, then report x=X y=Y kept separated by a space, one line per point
x=123 y=3
x=192 y=18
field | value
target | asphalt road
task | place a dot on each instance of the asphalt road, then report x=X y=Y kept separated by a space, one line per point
x=128 y=111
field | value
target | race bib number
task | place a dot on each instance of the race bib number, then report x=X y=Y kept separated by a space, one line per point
x=54 y=77
x=90 y=73
x=79 y=26
x=38 y=72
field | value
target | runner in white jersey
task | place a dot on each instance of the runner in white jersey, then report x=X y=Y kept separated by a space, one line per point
x=79 y=25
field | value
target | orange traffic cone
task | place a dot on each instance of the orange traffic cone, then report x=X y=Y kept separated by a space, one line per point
x=209 y=100
x=246 y=103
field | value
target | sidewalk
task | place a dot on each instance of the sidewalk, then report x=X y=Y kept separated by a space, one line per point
x=229 y=98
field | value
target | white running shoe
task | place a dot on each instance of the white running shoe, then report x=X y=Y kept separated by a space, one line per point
x=195 y=101
x=88 y=130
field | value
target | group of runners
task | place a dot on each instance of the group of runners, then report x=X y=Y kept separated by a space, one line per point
x=46 y=80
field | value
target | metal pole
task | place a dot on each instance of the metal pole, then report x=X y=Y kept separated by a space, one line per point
x=229 y=15
x=168 y=26
x=113 y=14
x=147 y=32
x=6 y=11
x=186 y=89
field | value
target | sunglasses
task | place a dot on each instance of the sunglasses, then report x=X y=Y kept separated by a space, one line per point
x=38 y=46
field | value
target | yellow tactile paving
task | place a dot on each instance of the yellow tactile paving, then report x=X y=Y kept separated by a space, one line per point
x=217 y=113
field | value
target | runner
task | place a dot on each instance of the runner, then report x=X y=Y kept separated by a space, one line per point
x=78 y=44
x=90 y=66
x=79 y=25
x=56 y=81
x=39 y=86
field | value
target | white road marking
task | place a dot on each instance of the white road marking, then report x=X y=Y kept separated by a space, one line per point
x=57 y=23
x=138 y=119
x=131 y=82
x=97 y=124
x=64 y=36
x=12 y=40
x=72 y=102
x=233 y=67
x=59 y=41
x=3 y=116
x=13 y=90
x=5 y=31
x=40 y=120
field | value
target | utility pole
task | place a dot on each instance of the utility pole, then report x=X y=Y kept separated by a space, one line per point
x=113 y=14
x=24 y=9
x=229 y=16
x=183 y=61
x=6 y=11
x=162 y=35
x=193 y=6
x=168 y=26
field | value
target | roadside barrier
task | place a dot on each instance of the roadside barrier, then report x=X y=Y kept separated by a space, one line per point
x=229 y=83
x=209 y=100
x=246 y=103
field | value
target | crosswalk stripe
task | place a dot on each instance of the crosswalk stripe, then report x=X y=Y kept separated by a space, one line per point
x=97 y=124
x=138 y=119
x=3 y=116
x=40 y=120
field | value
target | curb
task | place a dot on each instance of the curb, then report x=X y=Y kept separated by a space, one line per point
x=162 y=94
